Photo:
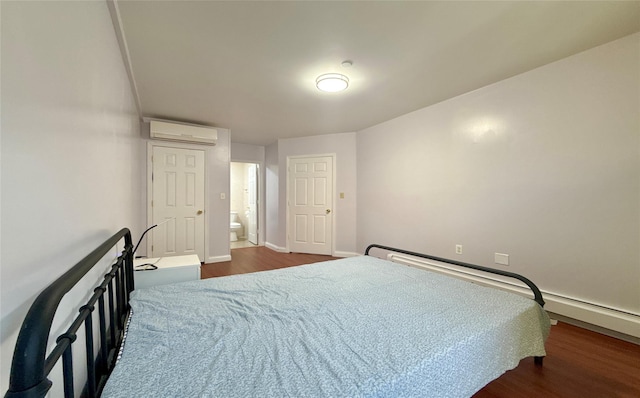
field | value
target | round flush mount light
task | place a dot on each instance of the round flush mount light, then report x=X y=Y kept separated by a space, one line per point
x=332 y=82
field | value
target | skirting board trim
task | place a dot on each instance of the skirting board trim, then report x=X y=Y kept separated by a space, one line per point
x=219 y=259
x=284 y=250
x=599 y=315
x=276 y=248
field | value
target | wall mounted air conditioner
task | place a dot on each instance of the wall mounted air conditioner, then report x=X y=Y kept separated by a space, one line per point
x=182 y=132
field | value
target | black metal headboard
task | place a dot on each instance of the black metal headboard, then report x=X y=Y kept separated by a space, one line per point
x=31 y=365
x=537 y=296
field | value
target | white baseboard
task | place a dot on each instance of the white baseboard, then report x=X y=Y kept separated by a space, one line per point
x=592 y=313
x=594 y=328
x=219 y=259
x=284 y=250
x=276 y=248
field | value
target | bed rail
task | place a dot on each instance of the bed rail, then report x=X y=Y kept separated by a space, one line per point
x=537 y=296
x=31 y=365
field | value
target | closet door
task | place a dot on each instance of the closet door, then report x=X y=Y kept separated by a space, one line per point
x=178 y=202
x=310 y=204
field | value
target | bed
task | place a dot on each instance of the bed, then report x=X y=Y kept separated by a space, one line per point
x=355 y=327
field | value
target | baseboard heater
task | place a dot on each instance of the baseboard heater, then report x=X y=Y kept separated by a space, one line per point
x=605 y=317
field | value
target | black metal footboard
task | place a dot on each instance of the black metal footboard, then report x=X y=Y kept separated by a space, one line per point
x=537 y=295
x=31 y=365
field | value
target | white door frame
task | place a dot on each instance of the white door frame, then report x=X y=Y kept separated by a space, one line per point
x=332 y=200
x=261 y=195
x=177 y=145
x=256 y=205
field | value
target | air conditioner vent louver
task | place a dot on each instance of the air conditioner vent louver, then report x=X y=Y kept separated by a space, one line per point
x=182 y=132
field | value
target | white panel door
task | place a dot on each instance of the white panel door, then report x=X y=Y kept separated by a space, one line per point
x=178 y=202
x=310 y=203
x=252 y=190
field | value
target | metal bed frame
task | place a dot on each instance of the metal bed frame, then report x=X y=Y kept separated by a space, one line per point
x=537 y=295
x=31 y=366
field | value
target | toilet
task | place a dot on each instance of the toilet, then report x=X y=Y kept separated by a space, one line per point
x=235 y=227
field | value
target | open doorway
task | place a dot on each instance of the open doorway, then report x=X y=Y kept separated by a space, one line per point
x=243 y=227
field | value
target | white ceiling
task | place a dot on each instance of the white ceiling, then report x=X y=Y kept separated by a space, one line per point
x=251 y=66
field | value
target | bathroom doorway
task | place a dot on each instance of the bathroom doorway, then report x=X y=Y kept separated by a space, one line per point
x=243 y=227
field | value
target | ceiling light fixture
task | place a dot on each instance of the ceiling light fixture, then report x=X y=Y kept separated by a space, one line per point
x=332 y=82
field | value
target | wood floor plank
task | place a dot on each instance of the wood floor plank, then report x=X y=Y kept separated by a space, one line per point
x=579 y=362
x=259 y=258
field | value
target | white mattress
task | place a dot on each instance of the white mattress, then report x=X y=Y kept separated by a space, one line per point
x=356 y=327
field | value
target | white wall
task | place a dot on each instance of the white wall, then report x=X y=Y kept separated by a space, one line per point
x=238 y=185
x=217 y=176
x=238 y=194
x=273 y=238
x=344 y=147
x=247 y=153
x=71 y=149
x=544 y=166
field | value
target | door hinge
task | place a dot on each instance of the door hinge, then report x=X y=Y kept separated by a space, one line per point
x=152 y=203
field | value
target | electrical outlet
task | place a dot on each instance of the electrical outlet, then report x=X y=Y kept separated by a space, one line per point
x=458 y=249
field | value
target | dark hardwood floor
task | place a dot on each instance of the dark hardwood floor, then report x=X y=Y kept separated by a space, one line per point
x=259 y=258
x=579 y=362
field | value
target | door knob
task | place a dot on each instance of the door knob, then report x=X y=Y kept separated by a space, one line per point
x=199 y=212
x=328 y=211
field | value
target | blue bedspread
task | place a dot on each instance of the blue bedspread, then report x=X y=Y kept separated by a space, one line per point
x=356 y=327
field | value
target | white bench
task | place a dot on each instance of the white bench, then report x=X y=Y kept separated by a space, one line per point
x=170 y=270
